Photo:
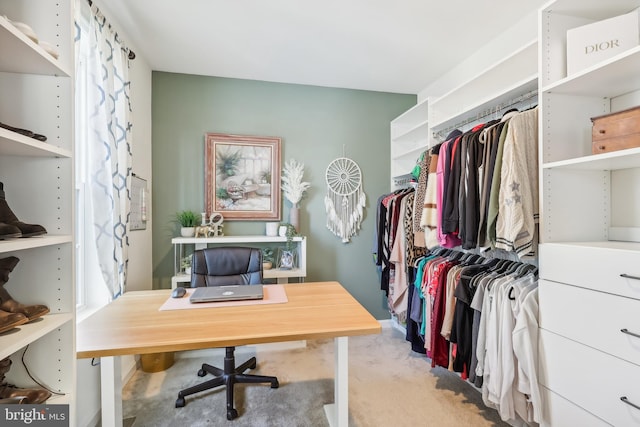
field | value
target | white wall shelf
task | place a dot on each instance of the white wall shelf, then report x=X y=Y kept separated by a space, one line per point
x=33 y=242
x=33 y=59
x=409 y=138
x=31 y=332
x=623 y=159
x=512 y=76
x=282 y=276
x=614 y=77
x=15 y=144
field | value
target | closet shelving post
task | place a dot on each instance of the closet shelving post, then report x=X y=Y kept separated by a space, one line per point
x=589 y=230
x=409 y=138
x=37 y=94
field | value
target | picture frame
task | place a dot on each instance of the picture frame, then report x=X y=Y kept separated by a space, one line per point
x=242 y=176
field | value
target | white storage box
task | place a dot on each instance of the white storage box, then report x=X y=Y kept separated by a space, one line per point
x=592 y=43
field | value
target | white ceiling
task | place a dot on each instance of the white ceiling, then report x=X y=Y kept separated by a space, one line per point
x=397 y=46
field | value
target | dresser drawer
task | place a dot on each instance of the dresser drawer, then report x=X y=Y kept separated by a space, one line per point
x=593 y=267
x=558 y=411
x=590 y=378
x=592 y=318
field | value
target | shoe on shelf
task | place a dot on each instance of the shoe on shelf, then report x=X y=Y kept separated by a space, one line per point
x=32 y=396
x=13 y=400
x=8 y=217
x=6 y=266
x=9 y=321
x=25 y=132
x=9 y=231
x=7 y=303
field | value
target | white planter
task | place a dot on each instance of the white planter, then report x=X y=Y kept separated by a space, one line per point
x=187 y=231
x=272 y=228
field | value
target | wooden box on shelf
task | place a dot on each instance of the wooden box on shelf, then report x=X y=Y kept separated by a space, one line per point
x=616 y=131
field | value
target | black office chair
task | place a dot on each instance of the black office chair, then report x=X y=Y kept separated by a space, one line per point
x=226 y=266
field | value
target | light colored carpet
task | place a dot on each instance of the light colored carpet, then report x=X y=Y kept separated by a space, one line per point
x=389 y=385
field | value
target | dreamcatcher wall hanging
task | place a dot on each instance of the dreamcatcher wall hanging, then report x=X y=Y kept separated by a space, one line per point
x=345 y=199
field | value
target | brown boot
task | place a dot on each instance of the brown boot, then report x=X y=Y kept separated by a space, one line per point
x=13 y=400
x=8 y=217
x=9 y=321
x=10 y=305
x=7 y=303
x=32 y=396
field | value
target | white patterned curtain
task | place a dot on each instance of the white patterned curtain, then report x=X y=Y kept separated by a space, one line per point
x=102 y=140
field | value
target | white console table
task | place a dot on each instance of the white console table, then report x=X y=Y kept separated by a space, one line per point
x=282 y=276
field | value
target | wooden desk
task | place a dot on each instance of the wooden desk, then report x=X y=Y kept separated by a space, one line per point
x=132 y=324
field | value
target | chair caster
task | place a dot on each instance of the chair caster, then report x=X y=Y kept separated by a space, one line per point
x=180 y=402
x=231 y=414
x=275 y=384
x=253 y=365
x=202 y=373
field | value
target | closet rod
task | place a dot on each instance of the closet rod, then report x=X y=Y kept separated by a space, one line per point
x=439 y=135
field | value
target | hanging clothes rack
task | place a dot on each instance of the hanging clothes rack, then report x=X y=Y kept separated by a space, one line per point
x=493 y=111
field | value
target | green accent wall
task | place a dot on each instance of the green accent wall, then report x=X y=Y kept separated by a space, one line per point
x=316 y=124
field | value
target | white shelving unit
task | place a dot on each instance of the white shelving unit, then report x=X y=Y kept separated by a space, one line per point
x=282 y=276
x=589 y=229
x=37 y=94
x=409 y=138
x=509 y=82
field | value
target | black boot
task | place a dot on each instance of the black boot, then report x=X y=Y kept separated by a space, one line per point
x=7 y=303
x=9 y=231
x=8 y=217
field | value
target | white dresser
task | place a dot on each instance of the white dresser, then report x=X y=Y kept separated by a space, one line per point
x=589 y=261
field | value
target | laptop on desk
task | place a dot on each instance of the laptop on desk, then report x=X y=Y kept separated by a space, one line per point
x=226 y=293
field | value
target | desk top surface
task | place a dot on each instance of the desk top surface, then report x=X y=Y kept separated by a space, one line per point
x=132 y=324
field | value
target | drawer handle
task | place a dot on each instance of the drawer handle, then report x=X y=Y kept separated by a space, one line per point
x=628 y=276
x=602 y=131
x=625 y=400
x=628 y=332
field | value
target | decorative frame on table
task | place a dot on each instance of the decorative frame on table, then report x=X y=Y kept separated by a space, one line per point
x=242 y=176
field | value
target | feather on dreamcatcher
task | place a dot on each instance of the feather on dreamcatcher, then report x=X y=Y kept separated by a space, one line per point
x=345 y=199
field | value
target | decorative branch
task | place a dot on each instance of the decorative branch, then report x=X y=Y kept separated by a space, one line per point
x=292 y=185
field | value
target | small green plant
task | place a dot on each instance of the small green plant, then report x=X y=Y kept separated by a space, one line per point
x=185 y=263
x=187 y=218
x=267 y=255
x=290 y=234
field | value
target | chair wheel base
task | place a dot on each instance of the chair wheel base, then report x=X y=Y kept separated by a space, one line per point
x=180 y=402
x=232 y=414
x=202 y=373
x=275 y=384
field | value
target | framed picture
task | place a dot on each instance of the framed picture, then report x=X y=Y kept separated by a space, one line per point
x=242 y=176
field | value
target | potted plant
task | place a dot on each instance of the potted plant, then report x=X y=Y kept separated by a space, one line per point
x=267 y=258
x=187 y=220
x=185 y=264
x=287 y=255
